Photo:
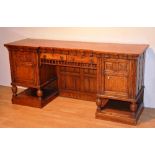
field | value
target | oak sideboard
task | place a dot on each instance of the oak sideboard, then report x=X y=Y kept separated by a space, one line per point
x=110 y=74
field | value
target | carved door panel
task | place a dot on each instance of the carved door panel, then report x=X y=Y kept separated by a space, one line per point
x=116 y=85
x=116 y=78
x=24 y=72
x=24 y=68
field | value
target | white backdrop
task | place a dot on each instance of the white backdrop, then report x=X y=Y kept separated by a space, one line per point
x=120 y=35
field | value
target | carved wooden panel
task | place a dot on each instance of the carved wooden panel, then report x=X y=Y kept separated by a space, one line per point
x=24 y=68
x=76 y=79
x=116 y=77
x=69 y=78
x=89 y=79
x=116 y=66
x=116 y=84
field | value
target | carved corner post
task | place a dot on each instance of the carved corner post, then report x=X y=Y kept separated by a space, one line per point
x=99 y=82
x=133 y=82
x=99 y=104
x=39 y=92
x=100 y=101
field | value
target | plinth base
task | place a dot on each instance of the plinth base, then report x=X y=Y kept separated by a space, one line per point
x=119 y=111
x=29 y=98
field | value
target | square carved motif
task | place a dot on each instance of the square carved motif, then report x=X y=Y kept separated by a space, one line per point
x=116 y=66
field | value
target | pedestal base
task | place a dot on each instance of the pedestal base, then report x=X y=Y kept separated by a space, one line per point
x=119 y=111
x=29 y=97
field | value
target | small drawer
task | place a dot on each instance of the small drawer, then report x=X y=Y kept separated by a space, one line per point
x=51 y=56
x=80 y=59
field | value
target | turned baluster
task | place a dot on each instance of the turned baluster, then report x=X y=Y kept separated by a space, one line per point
x=99 y=104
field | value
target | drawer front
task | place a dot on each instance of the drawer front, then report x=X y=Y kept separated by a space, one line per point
x=81 y=59
x=53 y=56
x=78 y=58
x=24 y=68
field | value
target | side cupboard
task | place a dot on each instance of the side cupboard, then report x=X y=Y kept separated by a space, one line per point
x=110 y=74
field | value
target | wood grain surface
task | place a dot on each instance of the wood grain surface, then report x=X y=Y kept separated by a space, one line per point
x=133 y=49
x=60 y=113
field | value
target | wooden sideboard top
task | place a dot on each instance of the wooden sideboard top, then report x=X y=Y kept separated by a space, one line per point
x=116 y=48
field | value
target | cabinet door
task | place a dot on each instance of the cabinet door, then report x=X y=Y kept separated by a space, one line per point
x=24 y=68
x=116 y=77
x=116 y=85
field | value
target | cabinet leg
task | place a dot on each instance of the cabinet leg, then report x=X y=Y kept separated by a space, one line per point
x=104 y=102
x=14 y=90
x=133 y=106
x=99 y=104
x=39 y=93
